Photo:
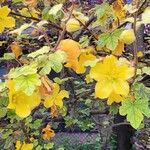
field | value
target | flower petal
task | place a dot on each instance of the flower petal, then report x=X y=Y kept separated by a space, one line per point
x=114 y=98
x=1 y=27
x=121 y=87
x=125 y=72
x=10 y=22
x=103 y=89
x=97 y=72
x=23 y=110
x=4 y=11
x=60 y=97
x=49 y=102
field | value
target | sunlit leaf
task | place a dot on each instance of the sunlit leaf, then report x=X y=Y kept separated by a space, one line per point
x=27 y=83
x=109 y=40
x=43 y=50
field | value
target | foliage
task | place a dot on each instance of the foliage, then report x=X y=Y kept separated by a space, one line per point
x=64 y=62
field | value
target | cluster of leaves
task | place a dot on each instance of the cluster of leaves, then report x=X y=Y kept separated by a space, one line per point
x=27 y=93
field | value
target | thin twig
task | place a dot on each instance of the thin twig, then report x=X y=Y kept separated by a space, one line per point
x=86 y=28
x=36 y=19
x=135 y=47
x=64 y=28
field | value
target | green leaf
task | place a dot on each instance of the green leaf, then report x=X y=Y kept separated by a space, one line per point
x=24 y=70
x=103 y=13
x=48 y=146
x=60 y=81
x=36 y=124
x=103 y=9
x=3 y=101
x=41 y=51
x=9 y=142
x=143 y=105
x=109 y=40
x=141 y=91
x=46 y=69
x=2 y=86
x=27 y=83
x=134 y=111
x=3 y=112
x=45 y=14
x=146 y=70
x=16 y=1
x=84 y=41
x=60 y=56
x=61 y=148
x=39 y=147
x=55 y=13
x=114 y=109
x=55 y=9
x=55 y=62
x=8 y=56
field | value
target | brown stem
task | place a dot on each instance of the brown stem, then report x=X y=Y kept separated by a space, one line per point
x=135 y=47
x=86 y=27
x=47 y=39
x=64 y=29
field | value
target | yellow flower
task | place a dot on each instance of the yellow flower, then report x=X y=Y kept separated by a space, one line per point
x=85 y=56
x=72 y=49
x=5 y=21
x=23 y=146
x=56 y=98
x=88 y=79
x=114 y=98
x=22 y=103
x=48 y=133
x=112 y=75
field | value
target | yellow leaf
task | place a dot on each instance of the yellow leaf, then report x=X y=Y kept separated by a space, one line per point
x=119 y=49
x=23 y=146
x=56 y=98
x=140 y=54
x=30 y=3
x=72 y=25
x=16 y=49
x=119 y=11
x=29 y=12
x=145 y=16
x=80 y=16
x=112 y=75
x=22 y=103
x=25 y=12
x=5 y=21
x=127 y=36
